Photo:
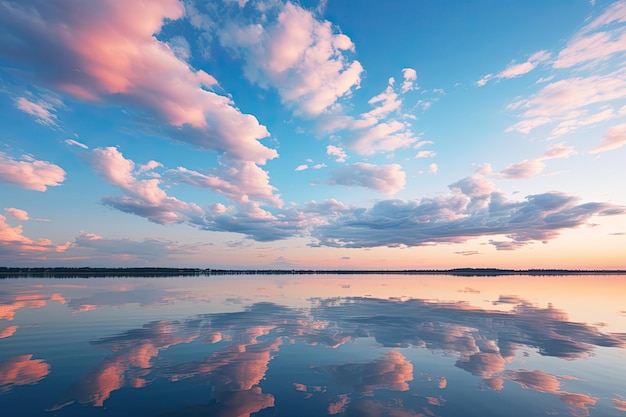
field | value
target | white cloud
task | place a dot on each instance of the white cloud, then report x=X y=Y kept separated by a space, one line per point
x=300 y=56
x=73 y=142
x=301 y=167
x=30 y=173
x=43 y=112
x=338 y=152
x=387 y=179
x=425 y=154
x=433 y=168
x=241 y=181
x=410 y=75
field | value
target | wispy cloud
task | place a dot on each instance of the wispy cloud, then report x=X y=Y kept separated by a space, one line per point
x=615 y=137
x=531 y=167
x=514 y=70
x=43 y=112
x=73 y=142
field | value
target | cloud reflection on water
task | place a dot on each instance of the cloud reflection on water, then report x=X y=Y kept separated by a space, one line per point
x=244 y=343
x=22 y=370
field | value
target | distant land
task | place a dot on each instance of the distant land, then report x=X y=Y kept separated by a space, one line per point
x=87 y=272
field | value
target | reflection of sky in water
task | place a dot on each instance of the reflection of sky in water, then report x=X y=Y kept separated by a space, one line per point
x=345 y=345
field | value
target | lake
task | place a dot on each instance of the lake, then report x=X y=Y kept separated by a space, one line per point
x=313 y=345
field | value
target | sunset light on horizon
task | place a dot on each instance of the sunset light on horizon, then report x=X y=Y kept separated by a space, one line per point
x=312 y=134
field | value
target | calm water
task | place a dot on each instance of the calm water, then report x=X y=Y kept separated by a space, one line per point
x=394 y=346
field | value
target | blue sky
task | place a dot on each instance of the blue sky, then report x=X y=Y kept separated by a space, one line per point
x=251 y=133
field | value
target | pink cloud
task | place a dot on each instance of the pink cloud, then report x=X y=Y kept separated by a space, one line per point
x=523 y=170
x=17 y=213
x=559 y=99
x=592 y=45
x=514 y=70
x=142 y=197
x=30 y=173
x=299 y=56
x=615 y=137
x=101 y=52
x=596 y=47
x=569 y=100
x=13 y=242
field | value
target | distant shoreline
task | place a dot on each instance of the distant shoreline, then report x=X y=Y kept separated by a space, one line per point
x=87 y=272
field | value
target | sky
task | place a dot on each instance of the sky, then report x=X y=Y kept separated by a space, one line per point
x=313 y=134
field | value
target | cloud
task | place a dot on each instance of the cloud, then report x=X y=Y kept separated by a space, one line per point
x=13 y=244
x=382 y=129
x=43 y=112
x=387 y=179
x=240 y=181
x=303 y=58
x=30 y=173
x=338 y=152
x=589 y=45
x=410 y=75
x=73 y=142
x=569 y=100
x=426 y=154
x=523 y=170
x=474 y=211
x=110 y=59
x=17 y=213
x=581 y=120
x=615 y=137
x=301 y=167
x=559 y=98
x=433 y=168
x=514 y=70
x=144 y=198
x=532 y=167
x=474 y=186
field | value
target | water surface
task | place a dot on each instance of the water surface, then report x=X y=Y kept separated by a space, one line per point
x=305 y=345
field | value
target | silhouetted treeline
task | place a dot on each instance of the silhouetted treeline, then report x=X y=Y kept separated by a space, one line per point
x=86 y=272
